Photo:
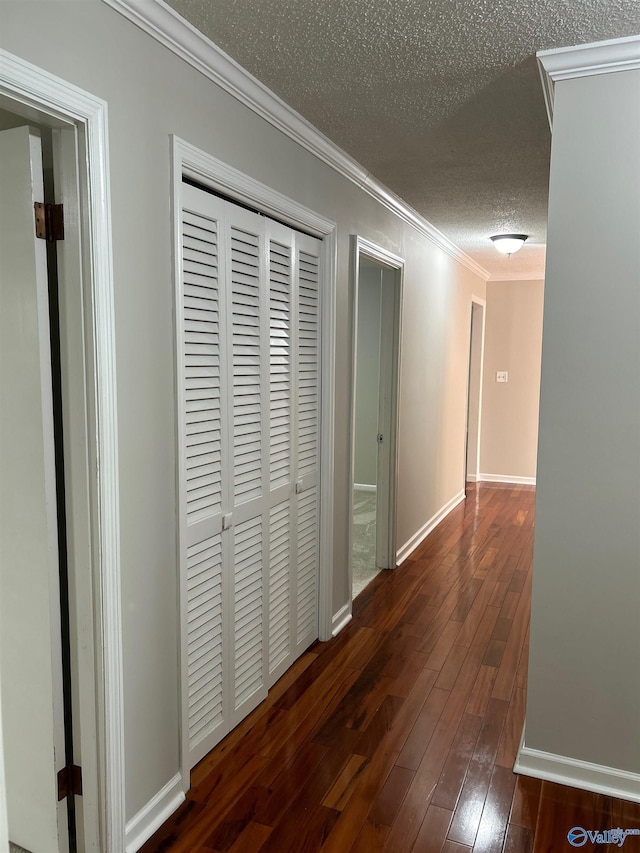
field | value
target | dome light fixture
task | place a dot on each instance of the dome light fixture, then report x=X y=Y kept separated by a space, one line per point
x=507 y=244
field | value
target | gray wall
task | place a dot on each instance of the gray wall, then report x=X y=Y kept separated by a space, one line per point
x=584 y=677
x=513 y=342
x=152 y=94
x=367 y=376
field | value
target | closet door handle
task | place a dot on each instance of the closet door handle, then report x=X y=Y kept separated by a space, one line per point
x=227 y=522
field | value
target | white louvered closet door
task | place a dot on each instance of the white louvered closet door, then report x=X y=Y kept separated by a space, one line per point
x=248 y=414
x=249 y=359
x=307 y=440
x=282 y=521
x=293 y=447
x=203 y=492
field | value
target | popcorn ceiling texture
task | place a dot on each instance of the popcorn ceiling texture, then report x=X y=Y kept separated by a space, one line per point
x=441 y=100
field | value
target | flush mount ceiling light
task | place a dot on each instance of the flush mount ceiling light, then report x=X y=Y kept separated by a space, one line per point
x=507 y=244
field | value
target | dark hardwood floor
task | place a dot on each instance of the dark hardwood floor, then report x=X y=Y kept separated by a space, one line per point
x=400 y=734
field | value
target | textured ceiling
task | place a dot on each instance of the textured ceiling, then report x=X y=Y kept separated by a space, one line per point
x=440 y=100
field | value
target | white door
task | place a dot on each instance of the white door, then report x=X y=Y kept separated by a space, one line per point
x=385 y=548
x=30 y=640
x=293 y=444
x=248 y=397
x=474 y=393
x=247 y=461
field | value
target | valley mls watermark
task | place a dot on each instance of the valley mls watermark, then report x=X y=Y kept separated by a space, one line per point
x=578 y=836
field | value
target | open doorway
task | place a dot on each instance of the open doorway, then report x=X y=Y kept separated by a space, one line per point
x=376 y=355
x=474 y=391
x=38 y=108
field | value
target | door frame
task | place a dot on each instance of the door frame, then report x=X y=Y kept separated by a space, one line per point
x=482 y=304
x=86 y=285
x=362 y=247
x=195 y=164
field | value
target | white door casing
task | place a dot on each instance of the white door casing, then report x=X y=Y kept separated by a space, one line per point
x=197 y=165
x=387 y=418
x=30 y=634
x=81 y=169
x=392 y=273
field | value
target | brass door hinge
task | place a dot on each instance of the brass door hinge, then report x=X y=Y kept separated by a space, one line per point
x=49 y=221
x=69 y=781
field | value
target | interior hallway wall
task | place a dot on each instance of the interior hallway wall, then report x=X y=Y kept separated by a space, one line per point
x=151 y=94
x=513 y=343
x=583 y=696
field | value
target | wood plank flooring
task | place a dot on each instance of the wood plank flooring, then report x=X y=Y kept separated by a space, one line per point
x=400 y=734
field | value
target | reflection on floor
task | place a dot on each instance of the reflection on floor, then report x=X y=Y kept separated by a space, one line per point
x=364 y=539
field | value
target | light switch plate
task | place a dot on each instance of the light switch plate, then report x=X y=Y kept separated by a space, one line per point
x=502 y=376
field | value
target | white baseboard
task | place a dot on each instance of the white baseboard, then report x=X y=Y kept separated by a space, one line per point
x=340 y=619
x=471 y=478
x=151 y=817
x=364 y=487
x=577 y=774
x=506 y=478
x=410 y=546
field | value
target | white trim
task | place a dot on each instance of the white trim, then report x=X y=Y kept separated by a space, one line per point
x=341 y=619
x=174 y=32
x=471 y=478
x=377 y=253
x=361 y=246
x=577 y=774
x=37 y=89
x=586 y=60
x=520 y=276
x=506 y=478
x=151 y=816
x=365 y=487
x=418 y=538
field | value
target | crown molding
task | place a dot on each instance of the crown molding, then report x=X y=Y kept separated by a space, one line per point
x=164 y=24
x=585 y=60
x=519 y=276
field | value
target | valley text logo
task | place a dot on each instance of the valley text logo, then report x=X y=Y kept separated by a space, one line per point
x=578 y=836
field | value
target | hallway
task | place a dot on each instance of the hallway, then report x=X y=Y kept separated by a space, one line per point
x=400 y=734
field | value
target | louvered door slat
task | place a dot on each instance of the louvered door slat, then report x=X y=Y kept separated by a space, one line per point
x=248 y=633
x=307 y=565
x=247 y=364
x=280 y=274
x=308 y=365
x=205 y=659
x=279 y=584
x=200 y=306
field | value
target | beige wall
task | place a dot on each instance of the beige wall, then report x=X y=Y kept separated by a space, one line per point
x=151 y=94
x=513 y=342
